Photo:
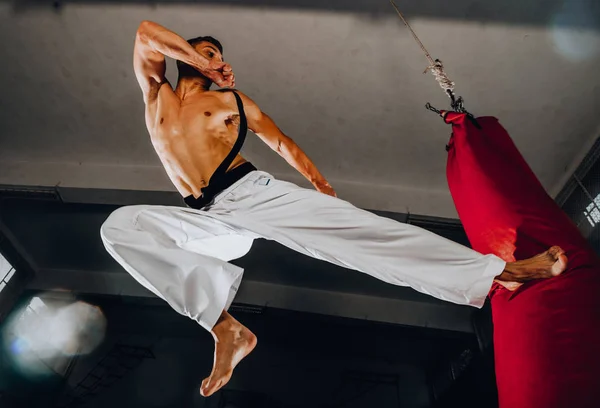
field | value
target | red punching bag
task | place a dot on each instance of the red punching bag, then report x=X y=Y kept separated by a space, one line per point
x=546 y=333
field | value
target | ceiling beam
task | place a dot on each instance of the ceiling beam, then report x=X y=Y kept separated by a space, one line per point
x=444 y=316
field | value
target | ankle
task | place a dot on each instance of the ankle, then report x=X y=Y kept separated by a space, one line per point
x=512 y=268
x=226 y=326
x=510 y=272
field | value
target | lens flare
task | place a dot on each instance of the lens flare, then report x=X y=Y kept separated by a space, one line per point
x=576 y=30
x=42 y=337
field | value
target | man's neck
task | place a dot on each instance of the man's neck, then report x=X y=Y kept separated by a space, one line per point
x=188 y=86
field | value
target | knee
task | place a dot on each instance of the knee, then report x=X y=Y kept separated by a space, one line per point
x=118 y=221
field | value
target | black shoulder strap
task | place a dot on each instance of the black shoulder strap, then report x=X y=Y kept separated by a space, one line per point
x=242 y=130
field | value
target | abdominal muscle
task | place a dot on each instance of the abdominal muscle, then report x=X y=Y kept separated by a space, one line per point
x=190 y=163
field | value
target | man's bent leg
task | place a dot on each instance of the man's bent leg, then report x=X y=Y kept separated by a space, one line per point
x=181 y=256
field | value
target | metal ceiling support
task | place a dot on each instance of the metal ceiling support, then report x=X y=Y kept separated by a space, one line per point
x=21 y=262
x=578 y=198
x=10 y=247
x=119 y=361
x=582 y=170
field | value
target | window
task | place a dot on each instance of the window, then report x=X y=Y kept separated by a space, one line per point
x=592 y=212
x=6 y=272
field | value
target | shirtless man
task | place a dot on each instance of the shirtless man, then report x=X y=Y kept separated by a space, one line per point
x=181 y=254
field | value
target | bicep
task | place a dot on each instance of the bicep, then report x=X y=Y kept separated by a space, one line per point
x=270 y=133
x=149 y=66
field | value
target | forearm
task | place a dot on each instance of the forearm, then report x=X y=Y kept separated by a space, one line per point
x=296 y=158
x=170 y=44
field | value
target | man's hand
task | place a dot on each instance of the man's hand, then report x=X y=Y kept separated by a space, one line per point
x=325 y=188
x=220 y=73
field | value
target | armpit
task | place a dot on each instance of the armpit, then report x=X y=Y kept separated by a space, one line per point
x=153 y=92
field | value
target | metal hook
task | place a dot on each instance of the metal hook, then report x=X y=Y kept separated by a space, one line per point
x=431 y=108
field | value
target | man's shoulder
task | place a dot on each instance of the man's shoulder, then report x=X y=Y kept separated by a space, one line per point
x=230 y=95
x=231 y=91
x=229 y=99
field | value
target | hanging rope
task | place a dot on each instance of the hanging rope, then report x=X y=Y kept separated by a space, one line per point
x=436 y=68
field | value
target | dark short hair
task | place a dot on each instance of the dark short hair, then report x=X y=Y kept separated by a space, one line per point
x=195 y=41
x=183 y=68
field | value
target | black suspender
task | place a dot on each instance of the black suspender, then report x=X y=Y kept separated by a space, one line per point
x=221 y=179
x=242 y=130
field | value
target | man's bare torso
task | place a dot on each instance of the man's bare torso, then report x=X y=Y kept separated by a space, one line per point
x=192 y=135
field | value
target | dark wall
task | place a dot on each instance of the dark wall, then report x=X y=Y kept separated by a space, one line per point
x=302 y=360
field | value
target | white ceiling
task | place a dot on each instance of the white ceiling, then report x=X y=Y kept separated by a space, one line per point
x=345 y=82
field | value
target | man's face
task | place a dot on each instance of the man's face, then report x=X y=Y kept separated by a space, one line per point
x=222 y=73
x=209 y=51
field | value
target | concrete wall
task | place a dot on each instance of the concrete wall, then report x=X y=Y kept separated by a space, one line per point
x=344 y=79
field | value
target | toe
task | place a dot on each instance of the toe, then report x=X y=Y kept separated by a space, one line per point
x=560 y=265
x=204 y=387
x=213 y=387
x=555 y=251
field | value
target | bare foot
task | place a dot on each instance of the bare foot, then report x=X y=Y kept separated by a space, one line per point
x=551 y=263
x=233 y=342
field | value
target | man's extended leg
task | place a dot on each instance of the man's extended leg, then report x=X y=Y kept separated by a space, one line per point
x=182 y=258
x=333 y=230
x=546 y=333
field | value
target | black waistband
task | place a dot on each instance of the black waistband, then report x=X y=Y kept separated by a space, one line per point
x=218 y=185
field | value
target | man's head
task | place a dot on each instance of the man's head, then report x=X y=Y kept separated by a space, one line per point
x=197 y=43
x=209 y=47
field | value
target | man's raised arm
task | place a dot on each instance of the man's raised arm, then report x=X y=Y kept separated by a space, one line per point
x=152 y=43
x=264 y=127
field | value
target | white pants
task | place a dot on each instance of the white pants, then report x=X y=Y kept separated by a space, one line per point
x=182 y=254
